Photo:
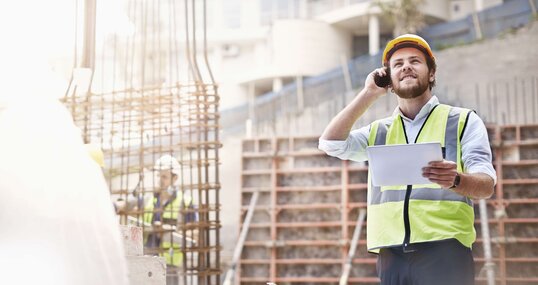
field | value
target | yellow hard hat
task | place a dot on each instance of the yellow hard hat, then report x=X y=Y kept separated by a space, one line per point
x=407 y=40
x=96 y=154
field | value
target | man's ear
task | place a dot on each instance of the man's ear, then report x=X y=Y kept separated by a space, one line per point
x=174 y=178
x=432 y=76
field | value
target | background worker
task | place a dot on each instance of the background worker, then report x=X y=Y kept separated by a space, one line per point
x=422 y=233
x=163 y=212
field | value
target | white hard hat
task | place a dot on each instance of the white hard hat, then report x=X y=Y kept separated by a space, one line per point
x=167 y=162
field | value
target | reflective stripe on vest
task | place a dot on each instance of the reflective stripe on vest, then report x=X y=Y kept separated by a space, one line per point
x=171 y=210
x=171 y=251
x=434 y=213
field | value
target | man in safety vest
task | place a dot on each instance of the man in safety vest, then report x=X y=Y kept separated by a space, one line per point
x=168 y=208
x=422 y=233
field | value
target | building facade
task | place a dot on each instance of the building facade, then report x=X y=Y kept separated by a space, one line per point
x=259 y=46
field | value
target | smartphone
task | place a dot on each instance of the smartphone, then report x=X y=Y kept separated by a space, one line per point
x=382 y=81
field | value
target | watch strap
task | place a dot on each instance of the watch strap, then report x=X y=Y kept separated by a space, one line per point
x=457 y=181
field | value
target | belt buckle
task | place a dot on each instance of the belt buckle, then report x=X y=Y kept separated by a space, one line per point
x=407 y=248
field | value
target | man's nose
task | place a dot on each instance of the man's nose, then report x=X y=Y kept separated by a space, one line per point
x=406 y=66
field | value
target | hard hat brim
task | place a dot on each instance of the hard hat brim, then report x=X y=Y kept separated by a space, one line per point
x=403 y=42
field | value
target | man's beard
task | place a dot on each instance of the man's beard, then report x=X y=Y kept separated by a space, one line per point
x=413 y=91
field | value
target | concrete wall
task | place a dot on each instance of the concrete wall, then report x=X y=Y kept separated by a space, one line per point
x=461 y=8
x=436 y=8
x=494 y=77
x=510 y=55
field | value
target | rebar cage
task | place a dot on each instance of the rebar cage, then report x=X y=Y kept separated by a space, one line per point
x=144 y=94
x=134 y=128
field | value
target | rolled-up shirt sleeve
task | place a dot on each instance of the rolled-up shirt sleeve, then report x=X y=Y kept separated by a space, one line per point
x=475 y=148
x=353 y=148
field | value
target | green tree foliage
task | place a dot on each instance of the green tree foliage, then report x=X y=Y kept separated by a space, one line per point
x=404 y=14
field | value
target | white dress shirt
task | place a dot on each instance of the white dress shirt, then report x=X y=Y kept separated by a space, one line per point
x=475 y=148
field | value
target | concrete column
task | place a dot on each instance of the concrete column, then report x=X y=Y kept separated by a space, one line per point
x=300 y=93
x=373 y=34
x=277 y=84
x=479 y=5
x=251 y=97
x=345 y=71
x=88 y=49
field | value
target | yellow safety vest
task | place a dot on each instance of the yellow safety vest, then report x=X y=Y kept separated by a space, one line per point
x=401 y=215
x=171 y=251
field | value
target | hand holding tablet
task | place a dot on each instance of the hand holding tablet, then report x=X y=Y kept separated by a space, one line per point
x=401 y=164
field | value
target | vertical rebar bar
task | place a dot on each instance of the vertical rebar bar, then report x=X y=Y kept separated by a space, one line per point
x=524 y=105
x=273 y=210
x=500 y=203
x=496 y=104
x=534 y=94
x=344 y=210
x=516 y=103
x=508 y=111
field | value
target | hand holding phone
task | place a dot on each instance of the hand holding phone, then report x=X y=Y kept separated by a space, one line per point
x=382 y=81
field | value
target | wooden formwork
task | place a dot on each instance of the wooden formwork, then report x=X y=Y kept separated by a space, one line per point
x=305 y=214
x=513 y=210
x=309 y=203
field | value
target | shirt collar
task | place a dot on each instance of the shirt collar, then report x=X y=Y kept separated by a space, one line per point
x=424 y=111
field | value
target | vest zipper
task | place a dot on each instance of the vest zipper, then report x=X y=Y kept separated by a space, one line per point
x=407 y=224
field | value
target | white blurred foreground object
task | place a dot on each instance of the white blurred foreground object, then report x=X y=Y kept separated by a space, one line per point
x=57 y=222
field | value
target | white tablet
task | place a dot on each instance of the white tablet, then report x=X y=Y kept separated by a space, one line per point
x=401 y=164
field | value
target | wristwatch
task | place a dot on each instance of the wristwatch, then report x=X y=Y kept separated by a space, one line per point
x=457 y=180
